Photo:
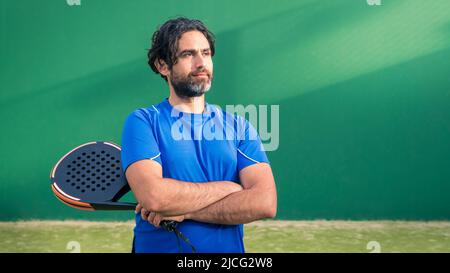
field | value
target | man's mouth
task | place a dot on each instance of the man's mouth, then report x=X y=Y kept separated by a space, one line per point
x=200 y=75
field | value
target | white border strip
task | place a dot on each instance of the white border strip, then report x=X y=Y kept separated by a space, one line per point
x=113 y=144
x=155 y=108
x=65 y=194
x=248 y=156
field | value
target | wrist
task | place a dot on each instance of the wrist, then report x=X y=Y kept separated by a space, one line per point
x=188 y=216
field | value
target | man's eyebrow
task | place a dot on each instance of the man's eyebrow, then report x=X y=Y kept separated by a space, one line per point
x=193 y=51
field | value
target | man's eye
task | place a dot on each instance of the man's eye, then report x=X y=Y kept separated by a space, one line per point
x=187 y=54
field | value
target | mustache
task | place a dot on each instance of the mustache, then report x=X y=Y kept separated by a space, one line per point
x=201 y=71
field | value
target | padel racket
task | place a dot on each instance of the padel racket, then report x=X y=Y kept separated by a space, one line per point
x=90 y=177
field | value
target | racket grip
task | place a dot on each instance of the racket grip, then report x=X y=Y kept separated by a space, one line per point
x=168 y=225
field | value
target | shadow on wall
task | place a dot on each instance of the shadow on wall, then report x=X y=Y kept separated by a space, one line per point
x=293 y=53
x=244 y=55
x=373 y=147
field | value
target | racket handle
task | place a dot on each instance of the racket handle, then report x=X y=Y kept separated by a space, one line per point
x=113 y=206
x=168 y=225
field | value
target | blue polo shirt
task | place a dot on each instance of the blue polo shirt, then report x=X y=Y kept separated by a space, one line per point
x=211 y=146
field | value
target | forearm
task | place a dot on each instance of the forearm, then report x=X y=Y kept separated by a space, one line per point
x=171 y=197
x=176 y=197
x=240 y=207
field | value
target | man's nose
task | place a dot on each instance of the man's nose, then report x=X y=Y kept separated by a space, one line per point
x=199 y=61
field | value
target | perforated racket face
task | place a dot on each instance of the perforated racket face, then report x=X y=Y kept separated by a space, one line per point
x=91 y=172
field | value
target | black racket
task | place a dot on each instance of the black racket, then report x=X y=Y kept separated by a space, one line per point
x=90 y=177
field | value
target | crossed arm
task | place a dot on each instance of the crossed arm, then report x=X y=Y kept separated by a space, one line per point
x=220 y=202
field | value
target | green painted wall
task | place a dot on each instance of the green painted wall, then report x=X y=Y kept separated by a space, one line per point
x=363 y=91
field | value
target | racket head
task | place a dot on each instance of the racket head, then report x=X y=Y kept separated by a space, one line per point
x=90 y=177
x=90 y=174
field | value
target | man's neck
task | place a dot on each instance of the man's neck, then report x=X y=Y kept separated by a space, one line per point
x=195 y=105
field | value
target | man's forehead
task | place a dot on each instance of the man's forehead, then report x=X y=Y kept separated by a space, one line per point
x=192 y=40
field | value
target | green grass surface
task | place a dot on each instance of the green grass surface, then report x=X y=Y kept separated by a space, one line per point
x=261 y=236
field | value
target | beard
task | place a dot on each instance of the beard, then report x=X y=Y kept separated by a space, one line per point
x=190 y=86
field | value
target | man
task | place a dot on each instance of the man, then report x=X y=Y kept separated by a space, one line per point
x=210 y=185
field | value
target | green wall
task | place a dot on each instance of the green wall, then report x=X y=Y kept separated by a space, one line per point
x=363 y=93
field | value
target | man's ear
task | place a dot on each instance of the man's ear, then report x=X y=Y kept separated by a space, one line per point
x=162 y=67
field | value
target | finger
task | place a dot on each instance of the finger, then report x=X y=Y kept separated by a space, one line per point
x=150 y=218
x=144 y=214
x=156 y=220
x=138 y=208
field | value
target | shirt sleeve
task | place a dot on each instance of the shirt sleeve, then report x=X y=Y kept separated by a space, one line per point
x=250 y=149
x=138 y=139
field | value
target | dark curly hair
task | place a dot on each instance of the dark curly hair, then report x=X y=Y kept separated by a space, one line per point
x=165 y=41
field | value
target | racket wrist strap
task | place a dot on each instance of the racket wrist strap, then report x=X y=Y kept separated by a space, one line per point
x=172 y=226
x=184 y=238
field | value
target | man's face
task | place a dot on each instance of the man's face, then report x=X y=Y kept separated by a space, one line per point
x=192 y=74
